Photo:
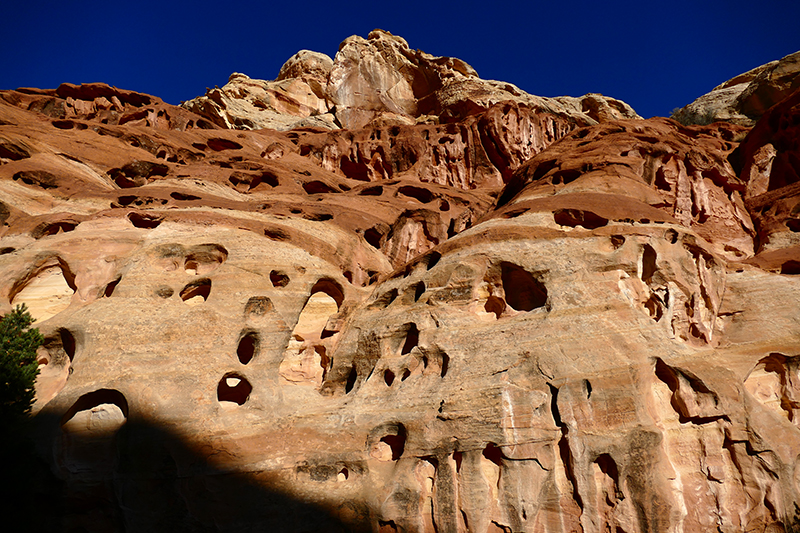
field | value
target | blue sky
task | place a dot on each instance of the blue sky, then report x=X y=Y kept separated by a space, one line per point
x=654 y=55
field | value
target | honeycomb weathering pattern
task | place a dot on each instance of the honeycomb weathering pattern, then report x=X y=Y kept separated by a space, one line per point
x=473 y=314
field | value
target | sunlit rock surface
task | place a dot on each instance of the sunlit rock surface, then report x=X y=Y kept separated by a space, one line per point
x=493 y=313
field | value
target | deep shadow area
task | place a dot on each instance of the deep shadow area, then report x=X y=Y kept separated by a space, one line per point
x=142 y=478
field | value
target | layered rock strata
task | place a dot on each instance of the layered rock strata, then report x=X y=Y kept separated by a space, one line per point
x=502 y=317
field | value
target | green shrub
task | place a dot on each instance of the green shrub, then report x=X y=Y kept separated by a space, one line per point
x=18 y=365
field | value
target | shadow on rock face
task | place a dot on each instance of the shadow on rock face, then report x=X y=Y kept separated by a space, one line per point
x=141 y=477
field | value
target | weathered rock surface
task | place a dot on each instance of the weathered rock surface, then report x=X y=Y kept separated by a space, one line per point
x=379 y=81
x=745 y=98
x=509 y=318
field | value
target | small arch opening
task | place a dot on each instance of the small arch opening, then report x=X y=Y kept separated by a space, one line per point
x=233 y=388
x=523 y=291
x=196 y=292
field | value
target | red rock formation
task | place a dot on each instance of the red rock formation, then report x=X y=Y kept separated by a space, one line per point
x=496 y=317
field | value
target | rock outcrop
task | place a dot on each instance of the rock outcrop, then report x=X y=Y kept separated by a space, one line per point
x=745 y=98
x=379 y=81
x=482 y=311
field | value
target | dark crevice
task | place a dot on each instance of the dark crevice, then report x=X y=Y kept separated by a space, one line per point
x=248 y=347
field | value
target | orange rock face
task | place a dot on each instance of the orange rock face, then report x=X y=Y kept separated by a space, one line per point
x=471 y=314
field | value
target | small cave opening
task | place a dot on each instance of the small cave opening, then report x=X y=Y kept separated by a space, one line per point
x=111 y=286
x=373 y=237
x=608 y=466
x=793 y=224
x=617 y=241
x=183 y=197
x=385 y=299
x=278 y=278
x=433 y=259
x=375 y=190
x=576 y=217
x=388 y=377
x=412 y=339
x=248 y=347
x=67 y=342
x=352 y=376
x=523 y=291
x=144 y=221
x=196 y=292
x=419 y=290
x=418 y=193
x=343 y=475
x=649 y=258
x=318 y=187
x=103 y=410
x=496 y=305
x=219 y=144
x=791 y=268
x=493 y=453
x=397 y=443
x=234 y=388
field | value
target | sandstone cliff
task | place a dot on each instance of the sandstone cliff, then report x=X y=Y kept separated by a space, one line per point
x=382 y=294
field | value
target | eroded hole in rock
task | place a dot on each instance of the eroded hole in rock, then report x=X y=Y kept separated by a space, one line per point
x=576 y=217
x=397 y=444
x=67 y=342
x=496 y=305
x=37 y=178
x=412 y=339
x=671 y=235
x=418 y=193
x=419 y=290
x=791 y=268
x=278 y=278
x=103 y=410
x=204 y=258
x=352 y=376
x=220 y=144
x=6 y=250
x=331 y=288
x=523 y=291
x=617 y=241
x=183 y=197
x=164 y=291
x=248 y=347
x=196 y=292
x=388 y=377
x=385 y=299
x=234 y=388
x=144 y=221
x=53 y=228
x=343 y=475
x=793 y=224
x=111 y=286
x=445 y=363
x=47 y=292
x=649 y=258
x=387 y=526
x=377 y=190
x=373 y=237
x=318 y=187
x=258 y=306
x=493 y=453
x=433 y=259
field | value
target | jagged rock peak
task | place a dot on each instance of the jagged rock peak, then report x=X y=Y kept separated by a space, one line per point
x=378 y=81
